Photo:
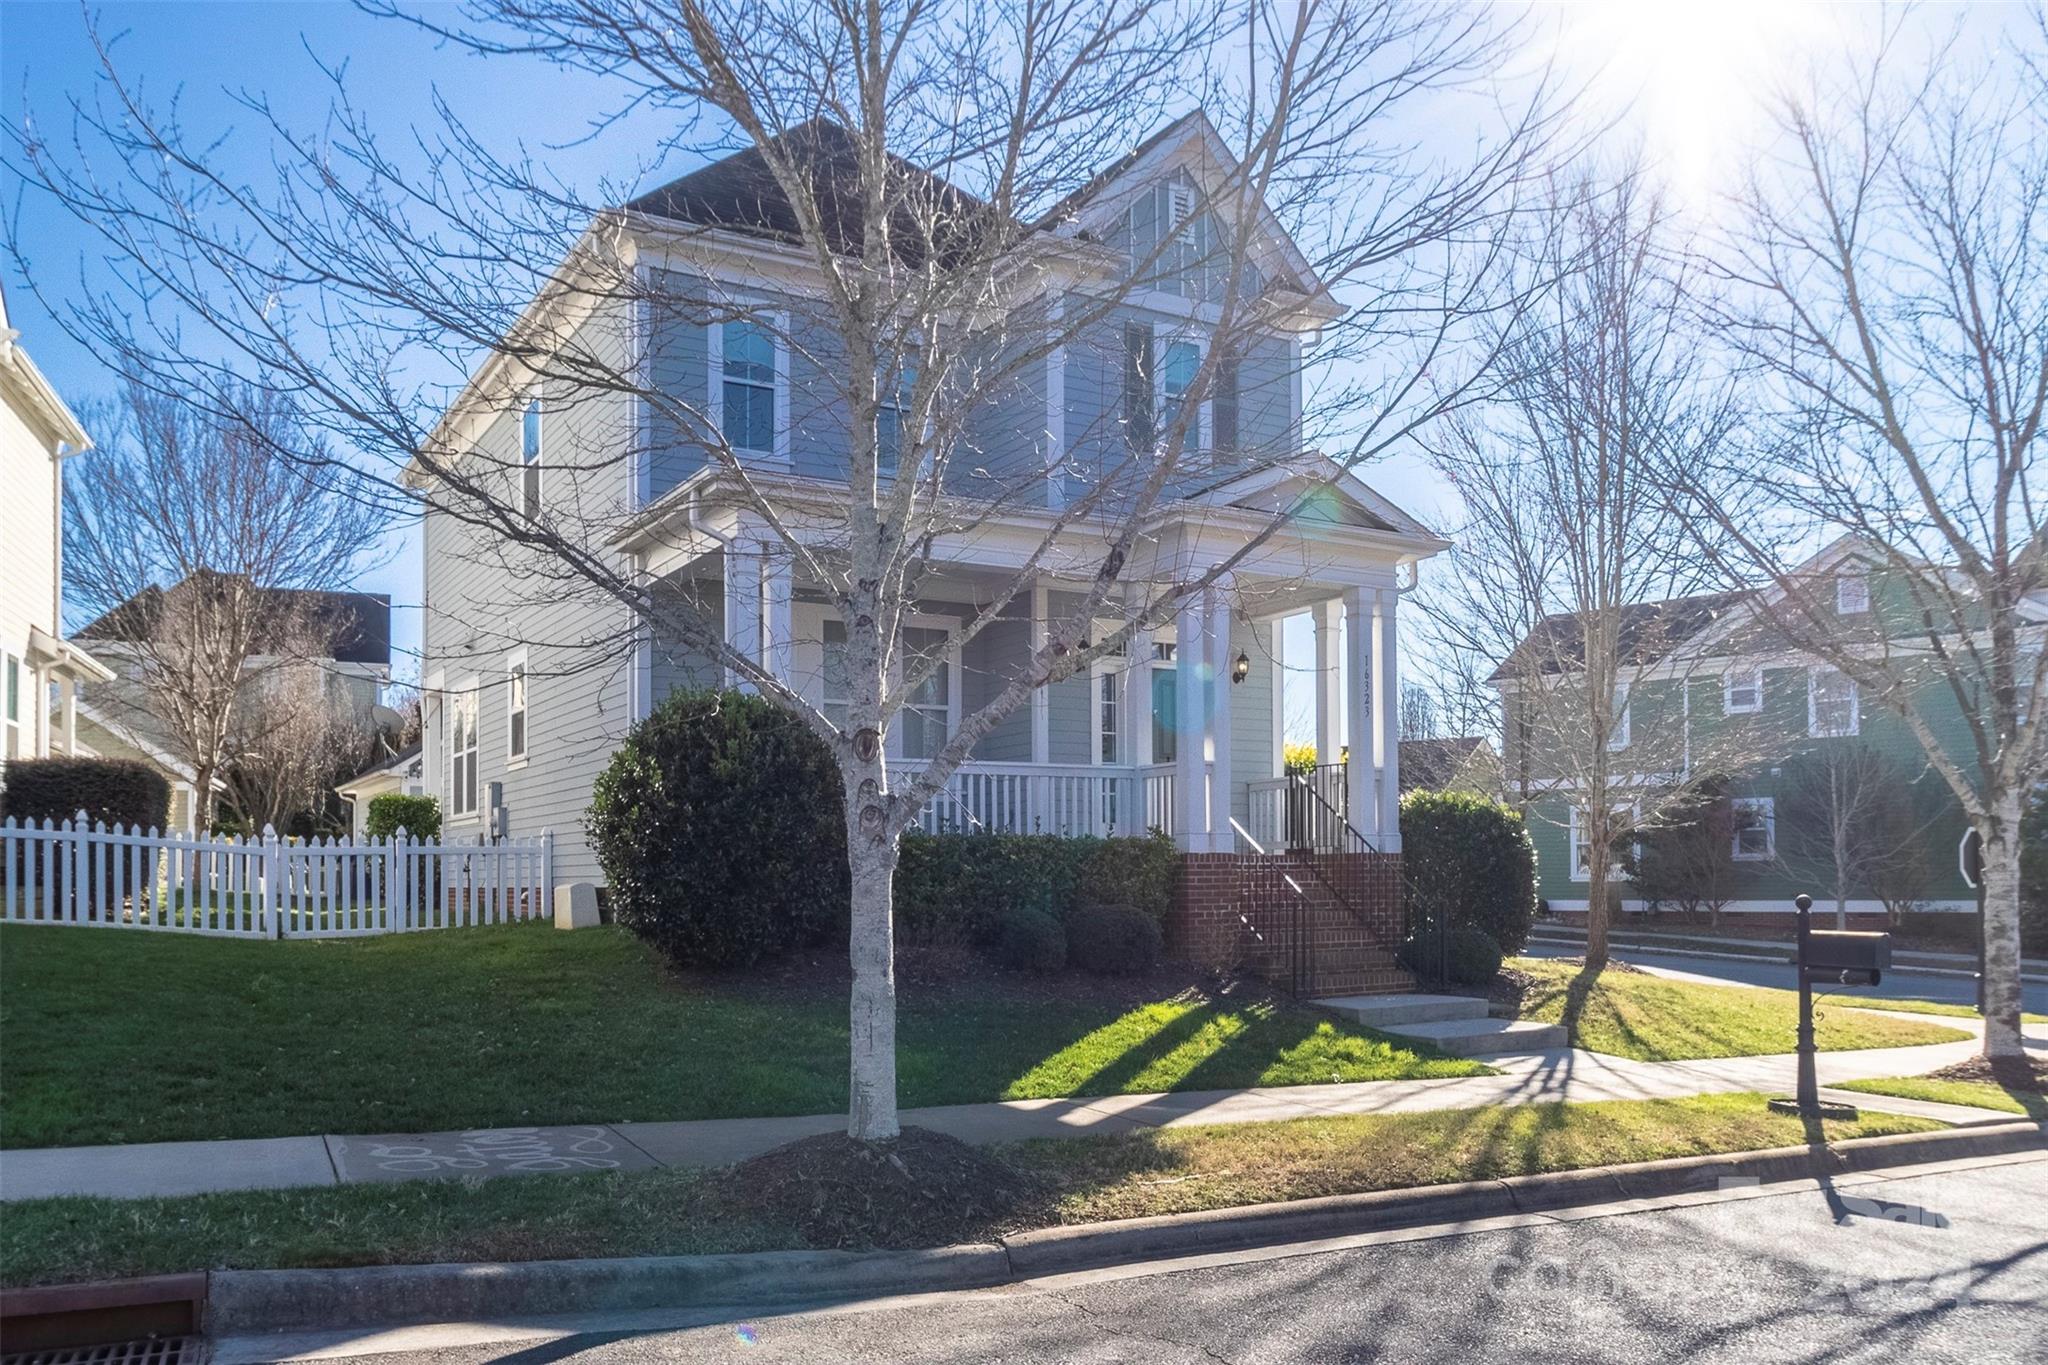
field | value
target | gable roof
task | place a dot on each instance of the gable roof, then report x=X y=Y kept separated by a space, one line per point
x=357 y=624
x=1647 y=632
x=739 y=193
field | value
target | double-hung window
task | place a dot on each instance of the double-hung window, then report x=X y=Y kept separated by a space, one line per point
x=530 y=459
x=1742 y=692
x=462 y=748
x=927 y=715
x=1852 y=594
x=13 y=709
x=748 y=359
x=515 y=708
x=1177 y=369
x=1165 y=704
x=1831 y=704
x=1756 y=829
x=1618 y=735
x=890 y=417
x=1582 y=841
x=833 y=690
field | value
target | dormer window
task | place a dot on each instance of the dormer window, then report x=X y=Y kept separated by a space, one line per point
x=1852 y=594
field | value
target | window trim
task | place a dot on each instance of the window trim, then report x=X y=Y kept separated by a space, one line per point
x=1198 y=438
x=1729 y=681
x=519 y=704
x=950 y=625
x=533 y=501
x=776 y=324
x=1813 y=730
x=1861 y=582
x=16 y=682
x=1622 y=734
x=466 y=693
x=1768 y=808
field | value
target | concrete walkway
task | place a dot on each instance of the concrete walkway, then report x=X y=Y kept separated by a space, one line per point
x=180 y=1168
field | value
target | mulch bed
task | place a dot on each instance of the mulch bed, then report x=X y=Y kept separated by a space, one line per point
x=921 y=1189
x=2013 y=1073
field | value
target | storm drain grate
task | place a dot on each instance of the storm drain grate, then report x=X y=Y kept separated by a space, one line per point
x=151 y=1351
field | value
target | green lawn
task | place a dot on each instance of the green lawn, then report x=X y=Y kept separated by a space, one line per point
x=1656 y=1019
x=676 y=1212
x=1979 y=1094
x=126 y=1036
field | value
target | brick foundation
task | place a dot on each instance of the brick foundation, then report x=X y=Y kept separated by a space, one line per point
x=1350 y=941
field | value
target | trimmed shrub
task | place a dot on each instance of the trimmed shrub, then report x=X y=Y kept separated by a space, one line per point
x=719 y=827
x=1470 y=861
x=419 y=816
x=1472 y=957
x=111 y=791
x=1030 y=941
x=1114 y=940
x=952 y=888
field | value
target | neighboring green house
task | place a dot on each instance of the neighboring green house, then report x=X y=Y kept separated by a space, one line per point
x=1814 y=782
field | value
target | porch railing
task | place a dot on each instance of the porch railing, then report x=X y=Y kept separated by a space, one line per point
x=1307 y=810
x=1066 y=799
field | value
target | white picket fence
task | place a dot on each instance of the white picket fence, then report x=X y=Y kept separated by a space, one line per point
x=269 y=887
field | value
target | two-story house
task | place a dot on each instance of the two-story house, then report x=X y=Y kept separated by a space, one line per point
x=1800 y=752
x=340 y=640
x=38 y=433
x=529 y=682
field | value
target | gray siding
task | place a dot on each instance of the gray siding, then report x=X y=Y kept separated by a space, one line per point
x=485 y=598
x=988 y=664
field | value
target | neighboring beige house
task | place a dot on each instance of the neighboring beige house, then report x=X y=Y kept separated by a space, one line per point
x=37 y=434
x=400 y=773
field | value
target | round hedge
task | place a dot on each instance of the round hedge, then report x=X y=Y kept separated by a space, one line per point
x=1470 y=861
x=1113 y=939
x=719 y=826
x=1031 y=941
x=418 y=816
x=1470 y=958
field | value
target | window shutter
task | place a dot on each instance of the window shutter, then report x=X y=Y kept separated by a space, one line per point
x=1223 y=408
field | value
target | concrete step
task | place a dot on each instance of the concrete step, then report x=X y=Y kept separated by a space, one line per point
x=1482 y=1037
x=1387 y=1012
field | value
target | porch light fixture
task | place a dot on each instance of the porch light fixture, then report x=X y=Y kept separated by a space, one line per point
x=1242 y=669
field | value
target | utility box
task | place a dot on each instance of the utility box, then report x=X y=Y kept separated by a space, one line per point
x=576 y=906
x=1852 y=958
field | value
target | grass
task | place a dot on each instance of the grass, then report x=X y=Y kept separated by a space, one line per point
x=1977 y=1094
x=672 y=1212
x=1944 y=1009
x=1655 y=1019
x=126 y=1036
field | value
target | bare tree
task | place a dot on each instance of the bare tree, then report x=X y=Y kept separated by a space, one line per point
x=1887 y=293
x=296 y=732
x=1572 y=567
x=177 y=535
x=1688 y=860
x=1852 y=817
x=922 y=176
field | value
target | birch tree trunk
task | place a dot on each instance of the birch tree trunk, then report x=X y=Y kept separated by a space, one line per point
x=2002 y=931
x=871 y=859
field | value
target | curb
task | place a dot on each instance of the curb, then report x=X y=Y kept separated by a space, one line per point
x=255 y=1301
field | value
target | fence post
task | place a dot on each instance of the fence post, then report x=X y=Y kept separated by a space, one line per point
x=547 y=872
x=394 y=893
x=273 y=880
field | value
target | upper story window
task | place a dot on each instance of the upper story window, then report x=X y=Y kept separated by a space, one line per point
x=1852 y=594
x=1178 y=367
x=515 y=707
x=748 y=412
x=889 y=418
x=1618 y=736
x=1831 y=704
x=1742 y=693
x=530 y=459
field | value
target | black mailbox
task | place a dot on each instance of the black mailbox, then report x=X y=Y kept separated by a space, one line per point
x=1849 y=957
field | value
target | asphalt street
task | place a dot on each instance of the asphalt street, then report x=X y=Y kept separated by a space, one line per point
x=1960 y=990
x=1947 y=1265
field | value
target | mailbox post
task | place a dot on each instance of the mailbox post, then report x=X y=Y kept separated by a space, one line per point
x=1839 y=957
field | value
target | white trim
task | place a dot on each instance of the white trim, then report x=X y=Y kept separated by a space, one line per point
x=1767 y=807
x=1619 y=737
x=1733 y=678
x=1813 y=730
x=1852 y=593
x=519 y=689
x=776 y=324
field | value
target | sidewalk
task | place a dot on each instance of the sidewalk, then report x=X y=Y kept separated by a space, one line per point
x=180 y=1168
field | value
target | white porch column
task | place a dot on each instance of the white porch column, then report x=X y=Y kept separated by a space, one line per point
x=67 y=703
x=1041 y=699
x=1360 y=794
x=778 y=593
x=742 y=605
x=1222 y=839
x=1386 y=674
x=1329 y=682
x=1190 y=772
